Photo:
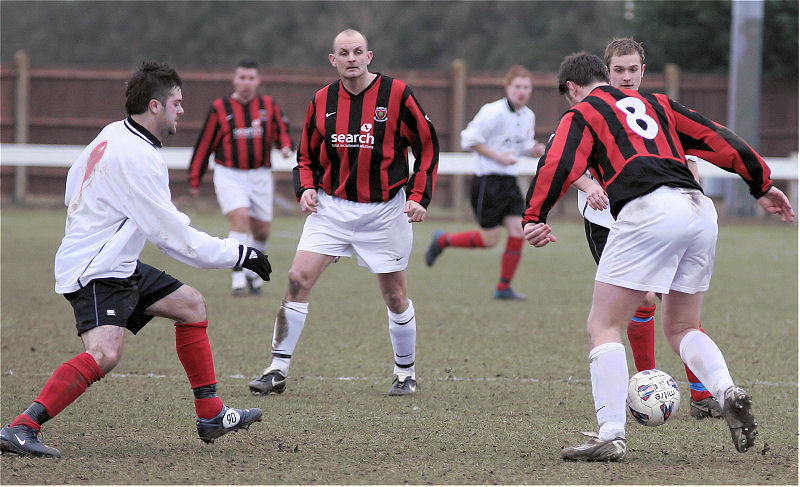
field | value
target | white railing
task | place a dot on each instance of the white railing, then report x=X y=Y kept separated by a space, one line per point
x=460 y=164
x=43 y=155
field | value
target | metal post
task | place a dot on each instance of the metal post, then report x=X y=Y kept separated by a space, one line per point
x=744 y=91
x=21 y=100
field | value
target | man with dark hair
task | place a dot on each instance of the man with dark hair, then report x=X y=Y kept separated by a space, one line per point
x=240 y=130
x=663 y=240
x=624 y=58
x=500 y=133
x=118 y=197
x=352 y=175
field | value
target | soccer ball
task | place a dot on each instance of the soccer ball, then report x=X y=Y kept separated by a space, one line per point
x=653 y=396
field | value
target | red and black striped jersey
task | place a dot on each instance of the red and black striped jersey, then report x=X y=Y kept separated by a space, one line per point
x=355 y=147
x=239 y=135
x=633 y=142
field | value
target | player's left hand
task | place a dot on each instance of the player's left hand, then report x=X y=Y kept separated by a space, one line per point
x=415 y=211
x=777 y=202
x=597 y=198
x=286 y=152
x=538 y=234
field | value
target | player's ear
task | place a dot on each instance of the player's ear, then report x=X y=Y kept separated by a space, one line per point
x=154 y=106
x=643 y=66
x=369 y=57
x=332 y=59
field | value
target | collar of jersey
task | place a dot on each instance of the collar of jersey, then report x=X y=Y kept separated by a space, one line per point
x=142 y=132
x=362 y=91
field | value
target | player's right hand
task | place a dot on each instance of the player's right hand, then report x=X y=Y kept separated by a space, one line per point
x=194 y=192
x=309 y=201
x=538 y=234
x=254 y=260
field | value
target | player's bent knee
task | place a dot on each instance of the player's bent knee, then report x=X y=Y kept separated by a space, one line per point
x=107 y=357
x=299 y=283
x=192 y=305
x=490 y=239
x=397 y=303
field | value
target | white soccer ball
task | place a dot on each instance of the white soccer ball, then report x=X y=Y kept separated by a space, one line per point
x=653 y=396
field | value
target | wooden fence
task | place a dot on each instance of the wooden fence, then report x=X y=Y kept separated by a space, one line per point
x=69 y=106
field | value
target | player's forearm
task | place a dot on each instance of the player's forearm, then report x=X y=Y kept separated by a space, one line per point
x=584 y=183
x=486 y=151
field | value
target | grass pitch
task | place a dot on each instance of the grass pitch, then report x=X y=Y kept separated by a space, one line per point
x=502 y=386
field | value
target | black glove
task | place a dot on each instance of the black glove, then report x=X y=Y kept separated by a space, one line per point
x=253 y=259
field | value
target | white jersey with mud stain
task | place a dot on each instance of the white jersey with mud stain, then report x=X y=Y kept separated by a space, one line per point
x=118 y=197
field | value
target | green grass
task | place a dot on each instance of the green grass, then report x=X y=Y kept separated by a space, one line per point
x=502 y=386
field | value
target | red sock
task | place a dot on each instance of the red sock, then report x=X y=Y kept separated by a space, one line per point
x=208 y=407
x=25 y=420
x=468 y=239
x=642 y=337
x=68 y=382
x=509 y=262
x=696 y=388
x=194 y=352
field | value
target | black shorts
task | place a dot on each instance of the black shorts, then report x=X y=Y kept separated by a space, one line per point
x=121 y=302
x=495 y=197
x=596 y=235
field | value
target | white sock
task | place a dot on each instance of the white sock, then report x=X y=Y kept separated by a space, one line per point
x=254 y=278
x=288 y=326
x=239 y=280
x=608 y=368
x=240 y=237
x=403 y=333
x=705 y=359
x=252 y=242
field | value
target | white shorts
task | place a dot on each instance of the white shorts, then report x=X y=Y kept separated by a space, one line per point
x=245 y=188
x=661 y=241
x=379 y=234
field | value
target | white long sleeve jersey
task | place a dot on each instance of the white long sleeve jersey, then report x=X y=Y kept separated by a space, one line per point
x=598 y=217
x=503 y=129
x=602 y=217
x=118 y=198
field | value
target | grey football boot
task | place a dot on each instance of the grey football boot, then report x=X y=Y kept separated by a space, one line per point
x=229 y=419
x=270 y=381
x=705 y=408
x=24 y=440
x=738 y=413
x=597 y=450
x=406 y=386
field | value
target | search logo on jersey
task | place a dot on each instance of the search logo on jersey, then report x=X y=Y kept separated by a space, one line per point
x=364 y=140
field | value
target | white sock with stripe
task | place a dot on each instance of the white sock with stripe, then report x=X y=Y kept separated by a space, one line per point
x=403 y=333
x=288 y=327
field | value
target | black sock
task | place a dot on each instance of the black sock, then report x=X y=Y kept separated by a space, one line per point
x=205 y=392
x=37 y=412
